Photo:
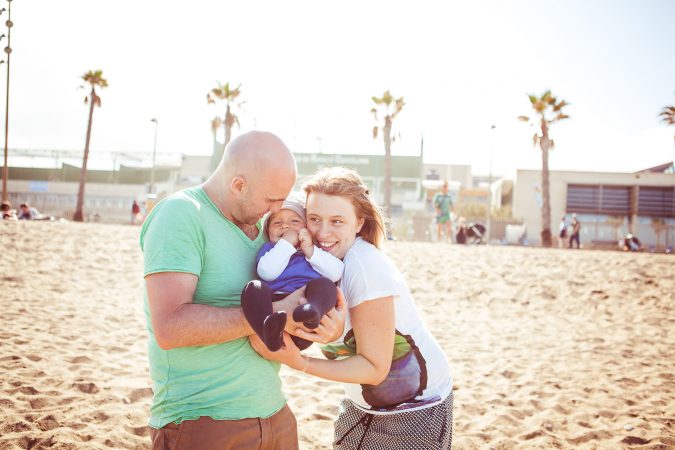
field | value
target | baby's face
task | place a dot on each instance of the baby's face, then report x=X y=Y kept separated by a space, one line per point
x=282 y=221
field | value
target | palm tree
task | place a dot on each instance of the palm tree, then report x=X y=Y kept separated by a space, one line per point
x=668 y=115
x=225 y=93
x=548 y=111
x=658 y=225
x=94 y=79
x=391 y=107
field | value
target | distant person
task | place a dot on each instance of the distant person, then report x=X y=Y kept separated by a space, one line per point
x=631 y=243
x=442 y=202
x=135 y=212
x=7 y=212
x=575 y=227
x=27 y=212
x=562 y=232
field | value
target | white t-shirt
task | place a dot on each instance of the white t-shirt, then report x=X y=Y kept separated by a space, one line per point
x=419 y=375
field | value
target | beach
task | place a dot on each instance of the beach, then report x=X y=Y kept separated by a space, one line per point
x=548 y=348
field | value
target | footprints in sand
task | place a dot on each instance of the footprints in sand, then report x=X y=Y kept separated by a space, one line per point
x=72 y=352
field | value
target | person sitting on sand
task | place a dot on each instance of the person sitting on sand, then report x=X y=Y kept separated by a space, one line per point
x=7 y=212
x=289 y=261
x=27 y=212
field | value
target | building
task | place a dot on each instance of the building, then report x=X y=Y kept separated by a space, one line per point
x=608 y=205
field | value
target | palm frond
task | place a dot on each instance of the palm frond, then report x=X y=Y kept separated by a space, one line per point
x=668 y=115
x=539 y=106
x=560 y=105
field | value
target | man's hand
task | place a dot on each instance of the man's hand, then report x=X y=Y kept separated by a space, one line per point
x=306 y=243
x=288 y=354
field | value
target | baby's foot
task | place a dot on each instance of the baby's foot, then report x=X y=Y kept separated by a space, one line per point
x=308 y=314
x=273 y=330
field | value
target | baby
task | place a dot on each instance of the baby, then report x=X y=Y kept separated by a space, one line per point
x=287 y=262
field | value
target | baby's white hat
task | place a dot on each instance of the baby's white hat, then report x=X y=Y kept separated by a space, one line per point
x=294 y=202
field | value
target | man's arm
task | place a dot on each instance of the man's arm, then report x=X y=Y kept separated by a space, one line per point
x=177 y=322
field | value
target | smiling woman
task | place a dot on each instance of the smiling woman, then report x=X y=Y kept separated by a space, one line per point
x=397 y=379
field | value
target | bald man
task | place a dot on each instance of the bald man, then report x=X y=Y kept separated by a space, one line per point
x=211 y=389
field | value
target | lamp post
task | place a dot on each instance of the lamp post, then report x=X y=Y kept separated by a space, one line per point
x=489 y=206
x=8 y=51
x=154 y=155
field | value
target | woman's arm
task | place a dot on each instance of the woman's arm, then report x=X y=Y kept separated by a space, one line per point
x=373 y=325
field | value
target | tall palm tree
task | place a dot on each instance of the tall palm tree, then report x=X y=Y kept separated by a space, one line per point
x=390 y=107
x=229 y=96
x=94 y=79
x=549 y=110
x=668 y=115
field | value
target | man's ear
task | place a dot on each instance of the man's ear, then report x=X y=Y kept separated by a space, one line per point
x=238 y=185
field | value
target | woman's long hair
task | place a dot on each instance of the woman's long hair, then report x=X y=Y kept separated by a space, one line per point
x=347 y=183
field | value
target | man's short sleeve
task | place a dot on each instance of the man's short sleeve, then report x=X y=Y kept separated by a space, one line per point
x=172 y=238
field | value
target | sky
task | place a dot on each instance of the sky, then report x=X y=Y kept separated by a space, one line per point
x=308 y=70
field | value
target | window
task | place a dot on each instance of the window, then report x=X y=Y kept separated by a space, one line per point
x=656 y=202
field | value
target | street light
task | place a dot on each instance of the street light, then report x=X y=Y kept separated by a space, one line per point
x=154 y=155
x=489 y=207
x=8 y=51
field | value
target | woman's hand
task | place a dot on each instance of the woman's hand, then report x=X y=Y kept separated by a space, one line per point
x=288 y=354
x=332 y=323
x=331 y=326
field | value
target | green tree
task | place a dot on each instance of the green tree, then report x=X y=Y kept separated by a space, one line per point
x=548 y=110
x=230 y=97
x=390 y=107
x=94 y=79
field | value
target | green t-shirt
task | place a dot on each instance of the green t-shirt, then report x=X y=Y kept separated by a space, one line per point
x=443 y=202
x=187 y=233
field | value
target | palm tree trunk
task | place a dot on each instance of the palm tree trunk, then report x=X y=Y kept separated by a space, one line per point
x=387 y=167
x=228 y=127
x=79 y=216
x=546 y=239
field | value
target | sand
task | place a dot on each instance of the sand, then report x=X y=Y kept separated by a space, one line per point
x=548 y=348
